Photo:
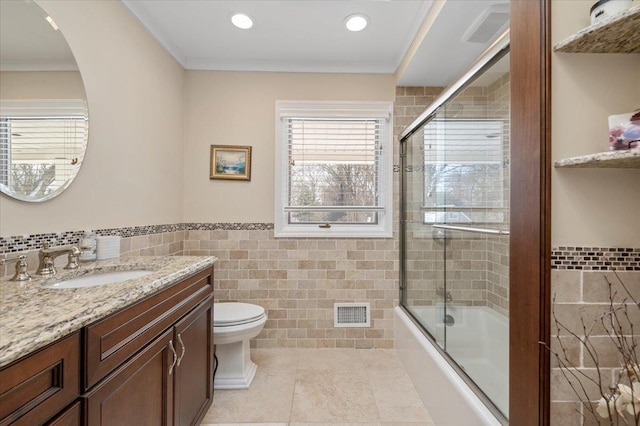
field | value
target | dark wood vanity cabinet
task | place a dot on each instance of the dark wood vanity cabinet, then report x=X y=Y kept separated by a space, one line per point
x=148 y=364
x=169 y=382
x=193 y=381
x=70 y=416
x=139 y=392
x=38 y=386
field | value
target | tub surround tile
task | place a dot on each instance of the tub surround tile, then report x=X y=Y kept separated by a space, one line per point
x=566 y=286
x=596 y=288
x=32 y=316
x=578 y=280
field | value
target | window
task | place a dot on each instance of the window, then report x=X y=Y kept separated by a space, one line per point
x=42 y=143
x=333 y=169
x=464 y=171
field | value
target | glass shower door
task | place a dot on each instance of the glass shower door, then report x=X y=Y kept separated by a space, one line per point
x=424 y=273
x=455 y=229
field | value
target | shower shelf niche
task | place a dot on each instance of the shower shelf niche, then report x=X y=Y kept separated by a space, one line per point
x=629 y=159
x=618 y=34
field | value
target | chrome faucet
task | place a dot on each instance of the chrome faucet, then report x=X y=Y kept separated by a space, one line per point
x=21 y=268
x=447 y=294
x=46 y=257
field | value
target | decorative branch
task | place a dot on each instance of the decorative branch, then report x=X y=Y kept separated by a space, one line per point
x=618 y=402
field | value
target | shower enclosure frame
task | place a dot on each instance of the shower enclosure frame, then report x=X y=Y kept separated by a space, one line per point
x=530 y=246
x=496 y=51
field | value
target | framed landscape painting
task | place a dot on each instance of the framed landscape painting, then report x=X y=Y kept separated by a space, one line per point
x=230 y=162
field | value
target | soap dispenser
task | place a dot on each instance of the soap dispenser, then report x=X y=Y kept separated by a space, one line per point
x=88 y=245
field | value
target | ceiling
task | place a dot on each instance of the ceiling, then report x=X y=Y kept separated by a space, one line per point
x=288 y=36
x=310 y=36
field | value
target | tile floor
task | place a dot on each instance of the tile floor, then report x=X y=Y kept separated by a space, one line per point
x=328 y=386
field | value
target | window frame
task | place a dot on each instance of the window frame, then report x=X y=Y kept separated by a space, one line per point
x=331 y=110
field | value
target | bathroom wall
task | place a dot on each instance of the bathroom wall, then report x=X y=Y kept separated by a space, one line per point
x=41 y=85
x=591 y=236
x=238 y=108
x=591 y=207
x=296 y=279
x=133 y=171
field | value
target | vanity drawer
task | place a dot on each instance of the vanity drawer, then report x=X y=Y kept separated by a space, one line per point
x=114 y=339
x=35 y=388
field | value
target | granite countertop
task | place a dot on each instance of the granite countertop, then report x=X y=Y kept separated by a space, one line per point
x=32 y=316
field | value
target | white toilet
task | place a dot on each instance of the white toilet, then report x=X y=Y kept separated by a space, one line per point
x=234 y=324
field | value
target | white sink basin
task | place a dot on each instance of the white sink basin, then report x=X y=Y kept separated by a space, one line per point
x=100 y=278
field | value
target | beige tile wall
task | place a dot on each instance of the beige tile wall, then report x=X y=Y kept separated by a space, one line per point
x=298 y=281
x=166 y=243
x=584 y=295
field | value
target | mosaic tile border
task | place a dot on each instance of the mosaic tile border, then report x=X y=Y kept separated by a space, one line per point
x=570 y=258
x=596 y=258
x=20 y=243
x=228 y=226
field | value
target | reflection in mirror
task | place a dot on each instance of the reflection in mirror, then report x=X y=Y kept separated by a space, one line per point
x=43 y=107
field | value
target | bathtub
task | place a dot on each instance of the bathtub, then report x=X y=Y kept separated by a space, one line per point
x=479 y=342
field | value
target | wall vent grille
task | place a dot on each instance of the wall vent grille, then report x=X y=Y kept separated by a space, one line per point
x=351 y=315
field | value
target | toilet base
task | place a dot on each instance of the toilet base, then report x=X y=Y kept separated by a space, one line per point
x=235 y=368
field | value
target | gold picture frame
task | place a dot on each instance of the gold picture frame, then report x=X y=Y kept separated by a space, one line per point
x=230 y=162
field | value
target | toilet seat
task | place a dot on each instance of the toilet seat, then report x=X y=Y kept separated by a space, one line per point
x=229 y=314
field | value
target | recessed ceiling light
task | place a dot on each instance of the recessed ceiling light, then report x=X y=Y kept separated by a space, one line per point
x=242 y=21
x=357 y=22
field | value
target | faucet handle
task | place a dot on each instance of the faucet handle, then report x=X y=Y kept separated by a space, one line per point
x=74 y=255
x=22 y=273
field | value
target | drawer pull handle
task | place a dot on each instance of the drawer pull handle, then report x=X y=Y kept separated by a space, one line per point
x=175 y=357
x=183 y=349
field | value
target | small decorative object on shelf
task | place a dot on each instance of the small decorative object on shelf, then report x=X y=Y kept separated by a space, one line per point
x=624 y=131
x=607 y=8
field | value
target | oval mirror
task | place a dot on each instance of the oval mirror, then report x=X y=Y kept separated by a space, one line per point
x=44 y=120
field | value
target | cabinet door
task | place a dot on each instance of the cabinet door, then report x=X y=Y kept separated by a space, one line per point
x=70 y=416
x=138 y=393
x=37 y=387
x=194 y=372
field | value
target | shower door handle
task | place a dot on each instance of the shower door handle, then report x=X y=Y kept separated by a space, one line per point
x=472 y=229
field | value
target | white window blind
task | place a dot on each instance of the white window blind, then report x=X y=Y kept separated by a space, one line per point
x=334 y=177
x=41 y=144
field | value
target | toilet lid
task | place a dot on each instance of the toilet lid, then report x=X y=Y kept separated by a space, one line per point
x=231 y=313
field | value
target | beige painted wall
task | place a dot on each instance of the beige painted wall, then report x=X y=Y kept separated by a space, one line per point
x=41 y=85
x=238 y=108
x=590 y=207
x=133 y=170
